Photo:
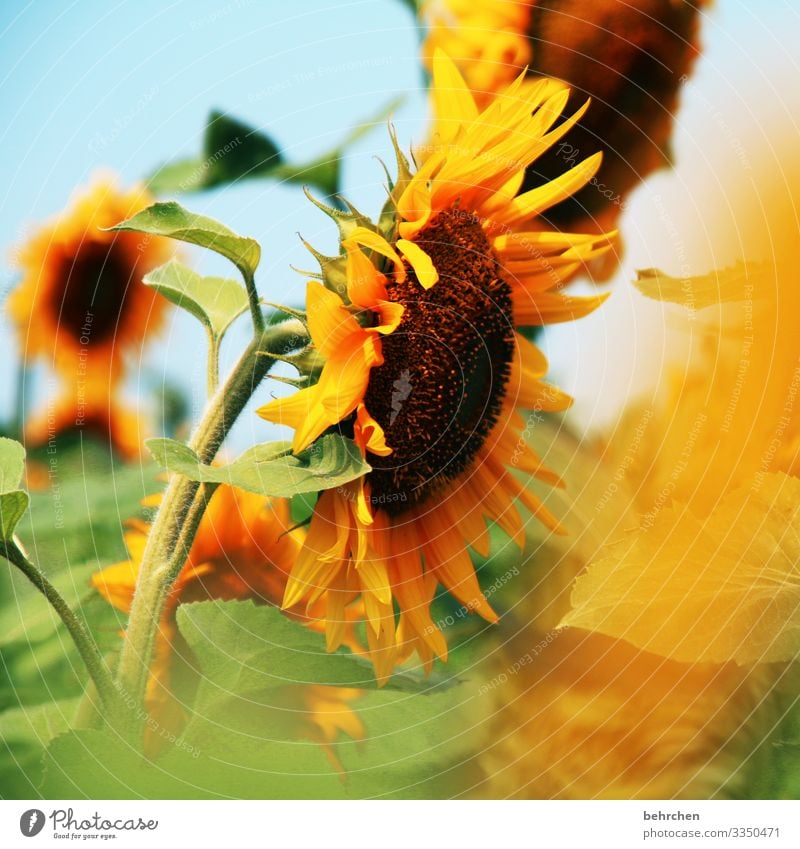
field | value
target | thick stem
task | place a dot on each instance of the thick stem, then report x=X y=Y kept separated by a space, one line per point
x=183 y=505
x=86 y=647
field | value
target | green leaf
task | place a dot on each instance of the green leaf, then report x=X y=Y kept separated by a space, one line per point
x=39 y=661
x=250 y=734
x=25 y=617
x=12 y=464
x=237 y=150
x=215 y=301
x=74 y=521
x=24 y=734
x=92 y=764
x=175 y=222
x=73 y=528
x=183 y=175
x=270 y=468
x=711 y=589
x=414 y=747
x=13 y=501
x=768 y=747
x=234 y=151
x=12 y=508
x=38 y=724
x=244 y=649
x=413 y=6
x=323 y=173
x=255 y=664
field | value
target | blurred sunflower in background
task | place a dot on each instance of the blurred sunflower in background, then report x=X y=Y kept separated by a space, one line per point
x=630 y=58
x=82 y=309
x=657 y=658
x=578 y=714
x=594 y=718
x=488 y=41
x=424 y=367
x=244 y=549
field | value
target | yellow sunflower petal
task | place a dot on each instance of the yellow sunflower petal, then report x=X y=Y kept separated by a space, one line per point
x=375 y=579
x=538 y=200
x=117 y=584
x=369 y=434
x=324 y=547
x=553 y=307
x=302 y=411
x=371 y=240
x=344 y=380
x=365 y=284
x=413 y=596
x=447 y=557
x=330 y=324
x=452 y=100
x=426 y=273
x=391 y=314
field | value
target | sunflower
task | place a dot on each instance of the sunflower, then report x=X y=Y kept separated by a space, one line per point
x=244 y=548
x=566 y=714
x=487 y=40
x=425 y=369
x=81 y=306
x=656 y=658
x=630 y=58
x=594 y=718
x=712 y=557
x=88 y=408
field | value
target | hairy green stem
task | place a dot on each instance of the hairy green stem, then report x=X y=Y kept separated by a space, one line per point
x=89 y=652
x=255 y=304
x=184 y=504
x=212 y=365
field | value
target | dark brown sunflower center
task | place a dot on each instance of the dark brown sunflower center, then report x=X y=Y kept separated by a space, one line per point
x=96 y=283
x=441 y=387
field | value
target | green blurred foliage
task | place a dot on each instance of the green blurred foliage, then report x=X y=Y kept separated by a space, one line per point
x=248 y=664
x=73 y=528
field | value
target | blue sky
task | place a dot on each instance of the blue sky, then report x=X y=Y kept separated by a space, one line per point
x=128 y=85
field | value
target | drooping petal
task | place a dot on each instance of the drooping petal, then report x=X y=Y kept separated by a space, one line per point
x=420 y=261
x=366 y=286
x=369 y=434
x=324 y=546
x=373 y=241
